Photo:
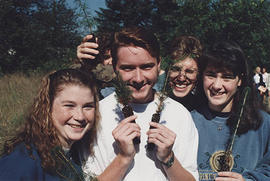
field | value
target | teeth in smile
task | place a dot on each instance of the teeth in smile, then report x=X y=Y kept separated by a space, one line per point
x=180 y=86
x=217 y=93
x=75 y=126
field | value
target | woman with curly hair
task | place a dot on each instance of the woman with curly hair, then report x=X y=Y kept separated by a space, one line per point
x=184 y=72
x=63 y=119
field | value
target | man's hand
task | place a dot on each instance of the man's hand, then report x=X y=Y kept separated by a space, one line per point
x=229 y=176
x=163 y=138
x=87 y=50
x=124 y=133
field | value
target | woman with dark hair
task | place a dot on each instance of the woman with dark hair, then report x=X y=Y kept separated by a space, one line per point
x=63 y=119
x=234 y=136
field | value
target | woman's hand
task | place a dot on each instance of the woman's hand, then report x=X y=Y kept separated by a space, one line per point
x=229 y=176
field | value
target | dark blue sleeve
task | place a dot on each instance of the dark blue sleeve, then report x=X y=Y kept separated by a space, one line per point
x=20 y=166
x=262 y=170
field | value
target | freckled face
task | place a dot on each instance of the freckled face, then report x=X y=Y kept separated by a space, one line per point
x=220 y=88
x=140 y=70
x=73 y=113
x=183 y=77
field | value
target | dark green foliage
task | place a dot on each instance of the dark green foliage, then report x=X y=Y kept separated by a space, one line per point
x=246 y=22
x=36 y=34
x=42 y=34
x=122 y=13
x=123 y=93
x=123 y=96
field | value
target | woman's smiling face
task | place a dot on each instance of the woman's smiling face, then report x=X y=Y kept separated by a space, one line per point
x=73 y=113
x=220 y=88
x=183 y=77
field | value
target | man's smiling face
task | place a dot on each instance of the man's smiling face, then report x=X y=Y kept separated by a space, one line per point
x=140 y=70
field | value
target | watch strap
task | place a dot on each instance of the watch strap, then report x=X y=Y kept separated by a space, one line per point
x=170 y=162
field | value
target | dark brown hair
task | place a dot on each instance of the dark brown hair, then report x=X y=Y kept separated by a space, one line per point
x=228 y=56
x=135 y=36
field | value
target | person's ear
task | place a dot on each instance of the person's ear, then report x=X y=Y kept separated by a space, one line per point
x=239 y=83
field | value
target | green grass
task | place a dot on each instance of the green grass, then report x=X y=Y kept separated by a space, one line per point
x=17 y=92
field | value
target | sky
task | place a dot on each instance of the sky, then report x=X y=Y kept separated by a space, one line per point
x=91 y=4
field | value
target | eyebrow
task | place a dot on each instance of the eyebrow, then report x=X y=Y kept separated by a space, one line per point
x=90 y=103
x=182 y=67
x=148 y=65
x=67 y=101
x=222 y=72
x=126 y=66
x=72 y=102
x=141 y=66
x=210 y=71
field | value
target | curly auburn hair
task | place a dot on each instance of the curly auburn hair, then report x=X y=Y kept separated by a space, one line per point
x=186 y=46
x=183 y=47
x=39 y=131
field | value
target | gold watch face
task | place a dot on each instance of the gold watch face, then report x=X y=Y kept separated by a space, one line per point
x=220 y=162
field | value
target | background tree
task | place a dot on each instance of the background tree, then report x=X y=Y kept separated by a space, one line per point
x=44 y=34
x=122 y=13
x=246 y=22
x=36 y=34
x=85 y=18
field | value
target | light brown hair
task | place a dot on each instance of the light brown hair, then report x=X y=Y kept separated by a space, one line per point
x=39 y=131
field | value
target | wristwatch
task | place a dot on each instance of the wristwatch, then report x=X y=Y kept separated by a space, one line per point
x=169 y=163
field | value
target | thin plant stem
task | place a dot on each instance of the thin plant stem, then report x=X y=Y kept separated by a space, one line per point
x=246 y=92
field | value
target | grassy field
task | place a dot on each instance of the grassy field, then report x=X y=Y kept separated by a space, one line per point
x=16 y=94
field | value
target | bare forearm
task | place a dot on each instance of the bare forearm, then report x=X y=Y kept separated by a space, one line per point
x=177 y=172
x=116 y=170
